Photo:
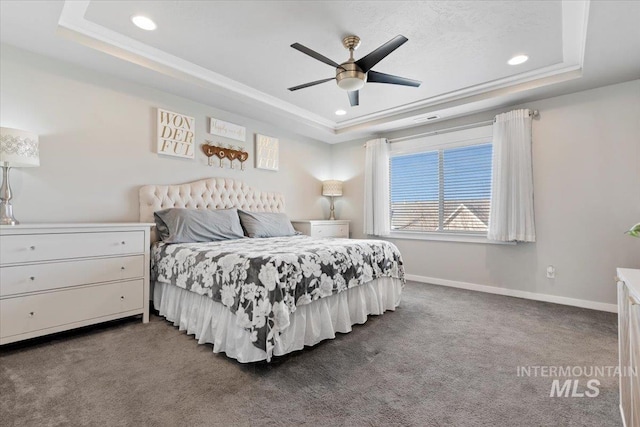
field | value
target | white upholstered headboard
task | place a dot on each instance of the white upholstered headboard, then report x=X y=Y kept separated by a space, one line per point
x=212 y=193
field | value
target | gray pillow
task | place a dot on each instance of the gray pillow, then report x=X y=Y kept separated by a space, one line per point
x=197 y=225
x=266 y=224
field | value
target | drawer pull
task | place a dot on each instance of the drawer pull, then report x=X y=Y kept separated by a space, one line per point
x=122 y=297
x=33 y=248
x=31 y=314
x=122 y=268
x=123 y=242
x=32 y=278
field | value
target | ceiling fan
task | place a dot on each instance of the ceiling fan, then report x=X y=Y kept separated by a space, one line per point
x=352 y=75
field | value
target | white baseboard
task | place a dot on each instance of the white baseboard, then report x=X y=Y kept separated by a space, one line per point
x=593 y=305
x=624 y=422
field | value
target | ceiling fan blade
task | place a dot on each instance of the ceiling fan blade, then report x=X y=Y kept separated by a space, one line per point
x=354 y=98
x=314 y=54
x=317 y=82
x=376 y=77
x=367 y=62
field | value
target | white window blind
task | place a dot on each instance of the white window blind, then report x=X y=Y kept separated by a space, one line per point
x=442 y=190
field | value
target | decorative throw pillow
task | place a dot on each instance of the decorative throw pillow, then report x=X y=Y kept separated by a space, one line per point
x=266 y=224
x=177 y=225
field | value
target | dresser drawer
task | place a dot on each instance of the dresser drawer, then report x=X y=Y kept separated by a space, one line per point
x=330 y=231
x=20 y=279
x=45 y=247
x=35 y=312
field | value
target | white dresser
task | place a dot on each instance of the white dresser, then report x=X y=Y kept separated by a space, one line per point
x=55 y=277
x=323 y=228
x=629 y=344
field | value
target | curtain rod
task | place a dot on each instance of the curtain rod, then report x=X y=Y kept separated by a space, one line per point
x=533 y=113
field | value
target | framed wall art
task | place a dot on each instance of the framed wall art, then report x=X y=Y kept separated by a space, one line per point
x=267 y=152
x=227 y=130
x=176 y=134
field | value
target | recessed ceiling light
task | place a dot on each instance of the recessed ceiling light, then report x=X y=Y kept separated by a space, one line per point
x=518 y=59
x=143 y=22
x=340 y=112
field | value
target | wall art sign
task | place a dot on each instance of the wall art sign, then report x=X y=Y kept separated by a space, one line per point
x=266 y=152
x=176 y=134
x=230 y=153
x=226 y=129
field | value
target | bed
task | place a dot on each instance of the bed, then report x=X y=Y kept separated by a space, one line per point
x=255 y=298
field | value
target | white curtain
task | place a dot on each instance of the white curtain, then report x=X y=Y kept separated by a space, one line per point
x=511 y=216
x=376 y=188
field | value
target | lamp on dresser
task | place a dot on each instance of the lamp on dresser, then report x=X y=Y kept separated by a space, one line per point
x=332 y=189
x=19 y=149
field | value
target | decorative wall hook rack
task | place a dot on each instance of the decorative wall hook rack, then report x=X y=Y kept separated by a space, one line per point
x=229 y=152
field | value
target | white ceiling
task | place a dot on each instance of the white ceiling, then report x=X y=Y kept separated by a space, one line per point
x=251 y=43
x=236 y=56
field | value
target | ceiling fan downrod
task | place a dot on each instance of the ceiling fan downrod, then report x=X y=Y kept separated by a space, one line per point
x=349 y=76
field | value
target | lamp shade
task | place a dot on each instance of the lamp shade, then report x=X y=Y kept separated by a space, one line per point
x=332 y=188
x=18 y=148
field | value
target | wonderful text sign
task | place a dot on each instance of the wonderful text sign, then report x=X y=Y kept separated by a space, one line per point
x=176 y=134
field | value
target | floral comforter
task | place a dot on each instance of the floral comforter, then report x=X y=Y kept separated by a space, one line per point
x=262 y=281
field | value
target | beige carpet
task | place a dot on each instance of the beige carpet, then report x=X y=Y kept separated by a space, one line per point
x=446 y=357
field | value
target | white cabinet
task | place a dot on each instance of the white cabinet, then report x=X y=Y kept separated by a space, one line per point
x=55 y=277
x=629 y=344
x=323 y=228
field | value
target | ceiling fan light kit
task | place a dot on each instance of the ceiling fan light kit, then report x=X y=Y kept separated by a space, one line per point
x=349 y=77
x=352 y=75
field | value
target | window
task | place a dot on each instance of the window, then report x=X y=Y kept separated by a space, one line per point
x=442 y=185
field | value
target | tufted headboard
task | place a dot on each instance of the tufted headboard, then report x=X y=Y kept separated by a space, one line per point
x=212 y=193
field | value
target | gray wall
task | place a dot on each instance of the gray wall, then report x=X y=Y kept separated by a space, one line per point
x=97 y=139
x=97 y=145
x=586 y=160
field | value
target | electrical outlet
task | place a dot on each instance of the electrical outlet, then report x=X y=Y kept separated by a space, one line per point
x=551 y=272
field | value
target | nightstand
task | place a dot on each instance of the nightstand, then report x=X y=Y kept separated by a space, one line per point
x=323 y=228
x=56 y=277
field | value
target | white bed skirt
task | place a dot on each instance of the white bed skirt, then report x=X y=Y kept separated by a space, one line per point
x=213 y=323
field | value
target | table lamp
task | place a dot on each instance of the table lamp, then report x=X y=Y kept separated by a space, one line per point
x=332 y=189
x=17 y=149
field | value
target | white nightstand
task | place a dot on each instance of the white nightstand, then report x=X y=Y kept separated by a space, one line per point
x=56 y=277
x=629 y=343
x=323 y=228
